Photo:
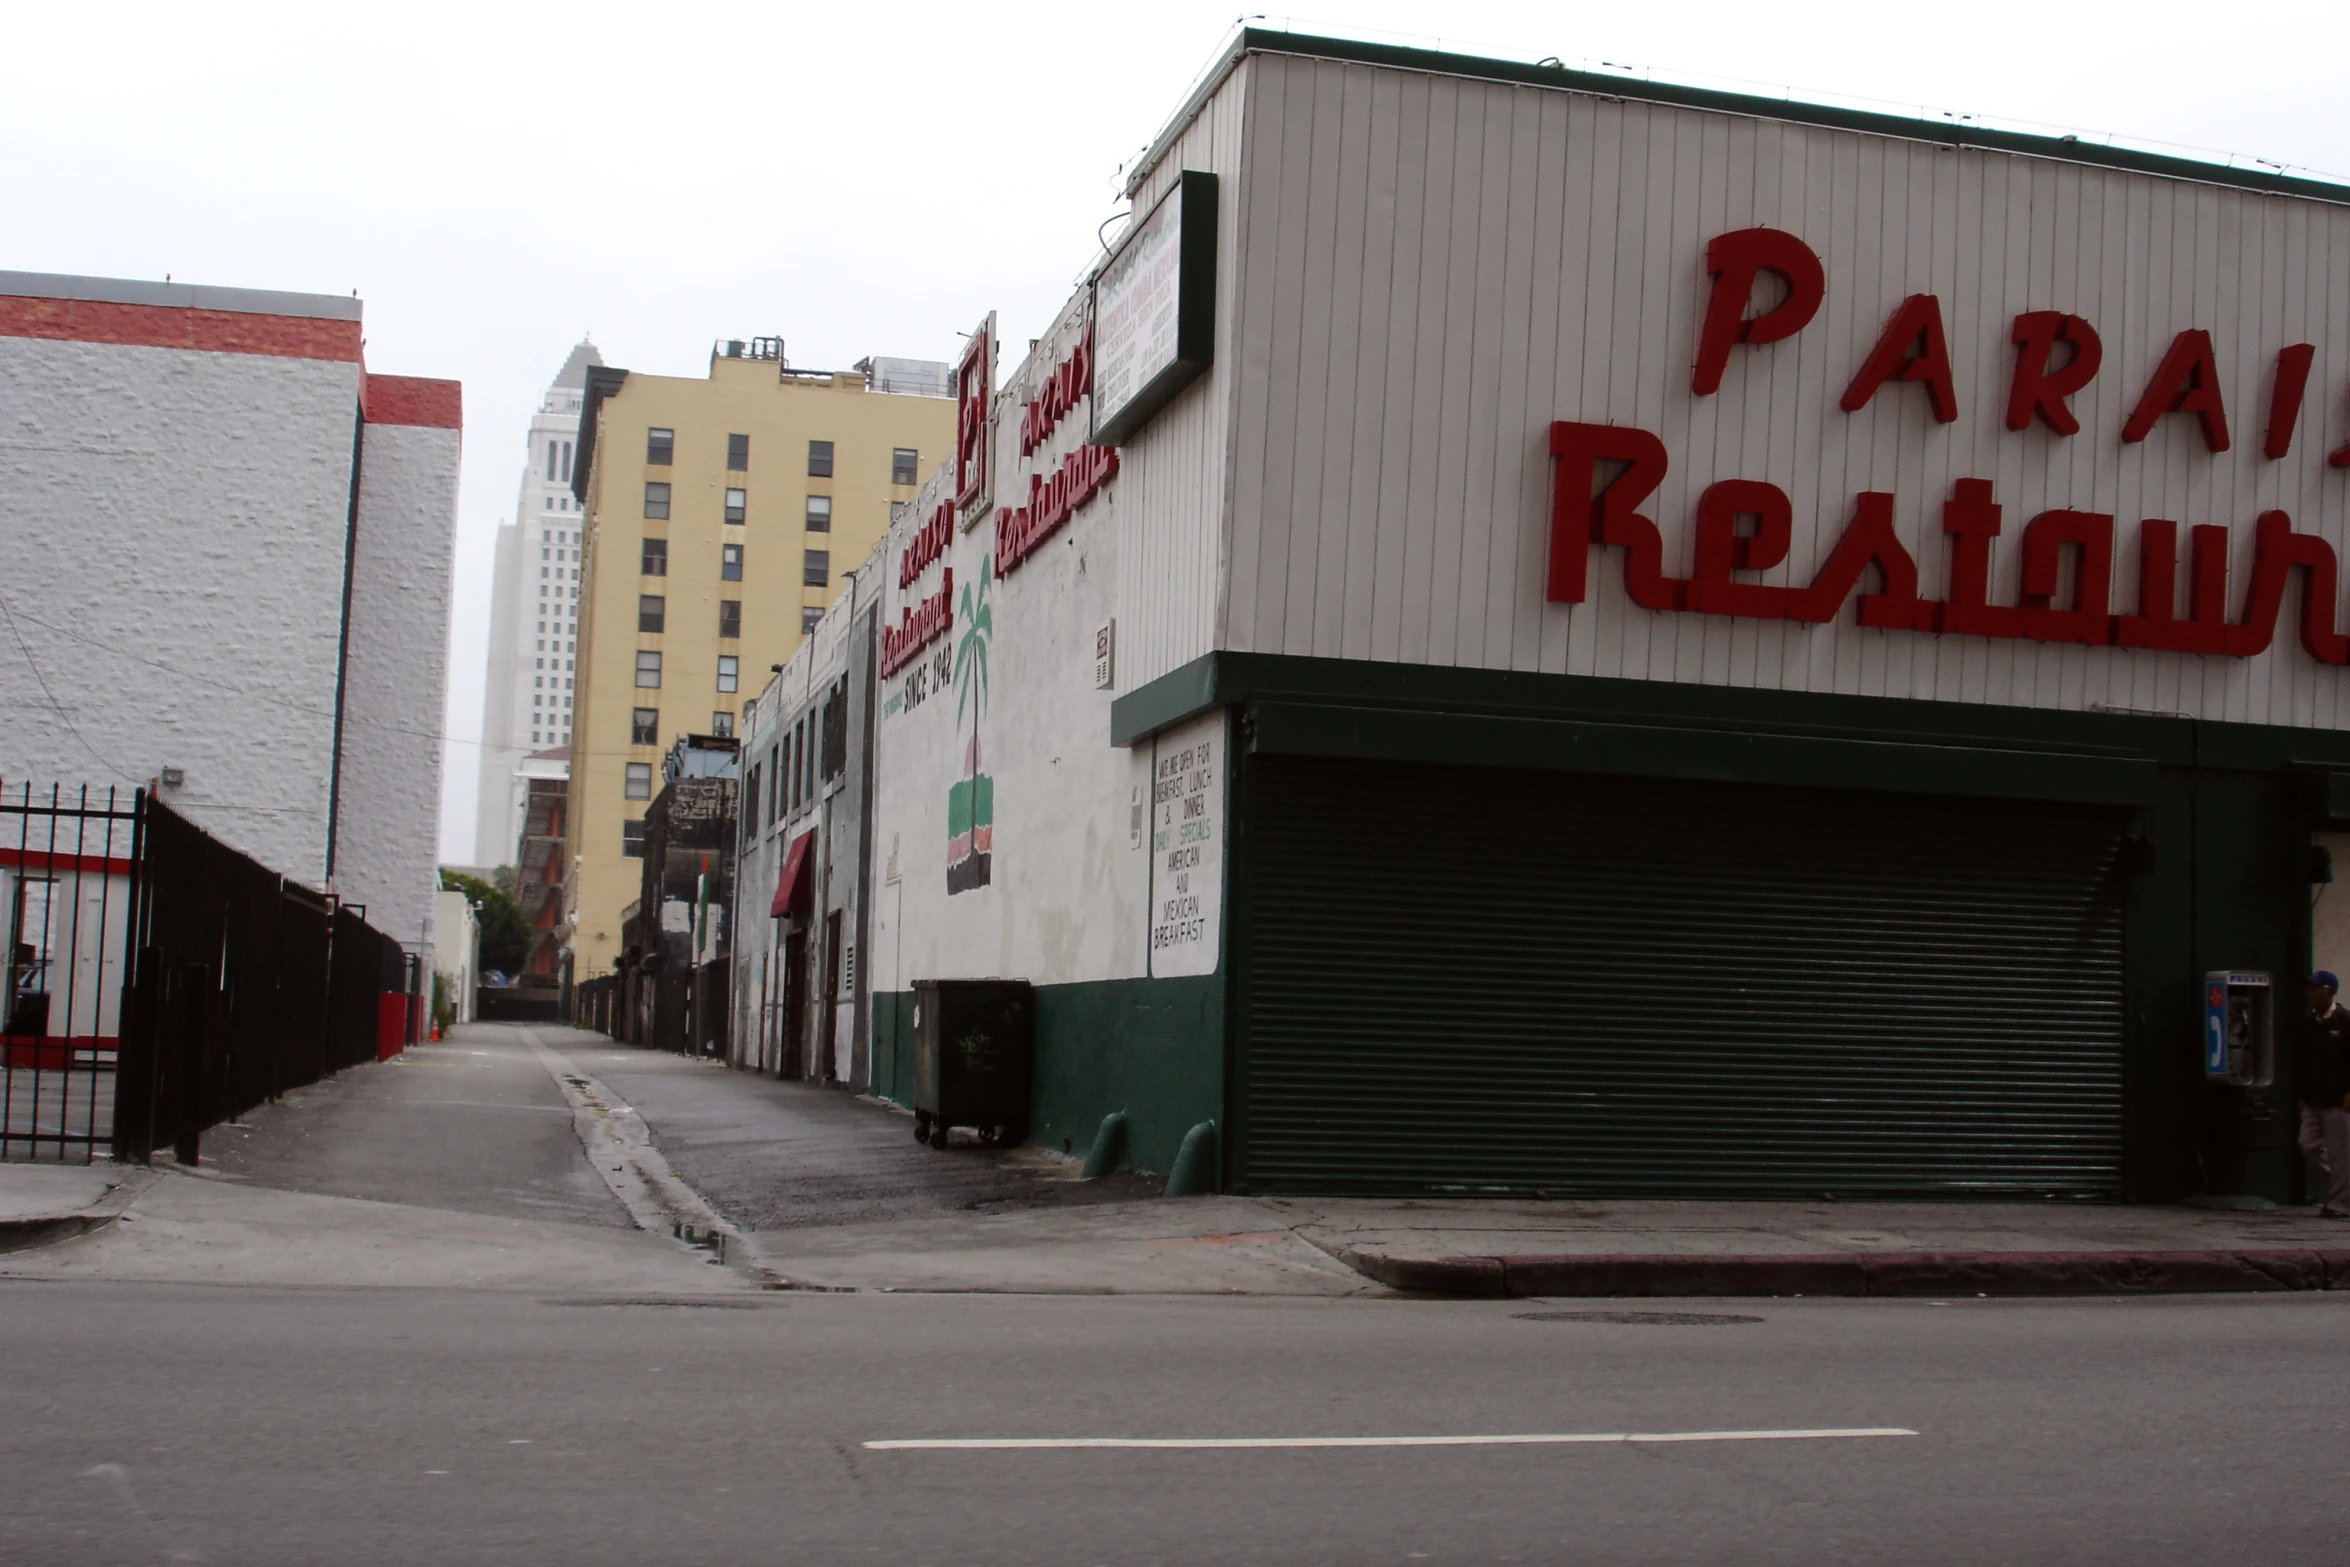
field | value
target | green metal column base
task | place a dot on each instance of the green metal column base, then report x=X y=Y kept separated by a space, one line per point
x=1194 y=1174
x=1109 y=1147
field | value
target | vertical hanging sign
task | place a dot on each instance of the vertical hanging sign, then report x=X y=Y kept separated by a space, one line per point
x=1187 y=848
x=975 y=425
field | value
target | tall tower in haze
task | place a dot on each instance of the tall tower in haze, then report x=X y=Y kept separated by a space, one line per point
x=534 y=620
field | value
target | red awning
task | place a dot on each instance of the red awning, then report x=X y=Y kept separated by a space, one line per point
x=792 y=888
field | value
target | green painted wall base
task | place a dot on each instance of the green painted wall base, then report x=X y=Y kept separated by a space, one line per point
x=2223 y=813
x=1153 y=1048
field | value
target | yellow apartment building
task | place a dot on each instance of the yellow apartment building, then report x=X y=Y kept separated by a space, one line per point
x=719 y=517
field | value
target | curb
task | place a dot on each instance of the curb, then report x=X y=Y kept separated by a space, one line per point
x=1890 y=1274
x=23 y=1234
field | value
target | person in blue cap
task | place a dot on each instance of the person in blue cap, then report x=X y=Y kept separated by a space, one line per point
x=2321 y=1081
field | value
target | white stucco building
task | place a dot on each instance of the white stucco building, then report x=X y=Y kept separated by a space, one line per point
x=456 y=951
x=534 y=616
x=1527 y=633
x=225 y=552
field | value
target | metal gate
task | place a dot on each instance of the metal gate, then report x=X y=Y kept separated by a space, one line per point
x=68 y=893
x=1463 y=980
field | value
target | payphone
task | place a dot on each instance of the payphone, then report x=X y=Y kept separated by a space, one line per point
x=2239 y=1028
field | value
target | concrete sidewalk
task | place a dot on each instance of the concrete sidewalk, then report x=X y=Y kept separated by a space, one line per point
x=831 y=1192
x=41 y=1203
x=187 y=1227
x=1355 y=1246
x=1826 y=1248
x=519 y=1155
x=458 y=1164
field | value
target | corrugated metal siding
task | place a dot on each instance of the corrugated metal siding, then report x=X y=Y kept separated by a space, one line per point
x=1469 y=980
x=1174 y=479
x=1438 y=268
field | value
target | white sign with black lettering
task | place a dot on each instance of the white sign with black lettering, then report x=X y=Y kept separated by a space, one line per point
x=1187 y=848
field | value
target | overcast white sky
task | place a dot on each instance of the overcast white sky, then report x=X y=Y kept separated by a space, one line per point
x=495 y=180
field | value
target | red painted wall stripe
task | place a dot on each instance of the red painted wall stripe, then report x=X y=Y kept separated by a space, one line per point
x=43 y=860
x=173 y=326
x=408 y=399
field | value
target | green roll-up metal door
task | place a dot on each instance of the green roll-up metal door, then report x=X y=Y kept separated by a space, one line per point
x=1462 y=980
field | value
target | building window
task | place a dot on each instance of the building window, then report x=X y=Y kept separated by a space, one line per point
x=632 y=839
x=554 y=451
x=809 y=616
x=652 y=610
x=648 y=670
x=566 y=470
x=657 y=501
x=819 y=514
x=738 y=454
x=729 y=671
x=905 y=465
x=639 y=781
x=730 y=617
x=833 y=757
x=751 y=806
x=737 y=501
x=644 y=726
x=730 y=563
x=722 y=724
x=656 y=558
x=819 y=459
x=816 y=568
x=799 y=752
x=660 y=448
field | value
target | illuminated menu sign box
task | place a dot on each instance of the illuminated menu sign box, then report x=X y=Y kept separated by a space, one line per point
x=1154 y=310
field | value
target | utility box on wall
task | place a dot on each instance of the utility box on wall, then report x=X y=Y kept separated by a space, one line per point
x=2239 y=1028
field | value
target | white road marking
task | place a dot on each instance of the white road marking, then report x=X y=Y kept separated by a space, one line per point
x=1531 y=1439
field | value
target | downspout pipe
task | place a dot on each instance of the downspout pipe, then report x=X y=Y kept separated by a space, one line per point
x=334 y=782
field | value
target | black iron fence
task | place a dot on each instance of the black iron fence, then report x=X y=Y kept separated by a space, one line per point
x=69 y=890
x=161 y=982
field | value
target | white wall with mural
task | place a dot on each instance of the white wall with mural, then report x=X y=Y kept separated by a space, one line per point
x=1009 y=831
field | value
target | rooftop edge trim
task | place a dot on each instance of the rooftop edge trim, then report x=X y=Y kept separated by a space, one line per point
x=178 y=296
x=1257 y=40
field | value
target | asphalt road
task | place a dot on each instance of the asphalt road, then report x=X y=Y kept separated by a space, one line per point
x=473 y=1125
x=146 y=1423
x=774 y=1155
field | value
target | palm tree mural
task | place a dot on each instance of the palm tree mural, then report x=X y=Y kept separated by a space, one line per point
x=971 y=799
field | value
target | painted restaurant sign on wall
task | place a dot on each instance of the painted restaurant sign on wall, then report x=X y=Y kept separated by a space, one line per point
x=1604 y=474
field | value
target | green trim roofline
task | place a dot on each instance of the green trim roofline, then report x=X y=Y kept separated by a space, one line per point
x=1585 y=723
x=1947 y=133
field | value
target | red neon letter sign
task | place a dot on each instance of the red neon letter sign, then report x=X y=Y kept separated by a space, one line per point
x=1722 y=549
x=2186 y=382
x=1582 y=514
x=2156 y=625
x=2276 y=552
x=2284 y=403
x=1916 y=324
x=2090 y=618
x=1735 y=261
x=2039 y=390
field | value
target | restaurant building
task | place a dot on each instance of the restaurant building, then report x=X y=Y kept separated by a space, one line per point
x=1529 y=632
